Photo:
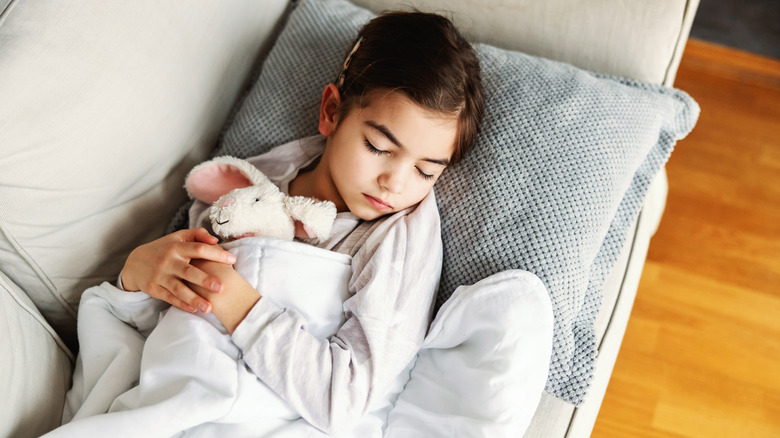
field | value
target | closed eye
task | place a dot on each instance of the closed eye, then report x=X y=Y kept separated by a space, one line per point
x=424 y=175
x=374 y=150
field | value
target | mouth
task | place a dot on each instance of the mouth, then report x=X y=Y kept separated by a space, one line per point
x=378 y=203
x=223 y=223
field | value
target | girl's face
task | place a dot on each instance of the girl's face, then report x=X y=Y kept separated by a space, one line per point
x=383 y=157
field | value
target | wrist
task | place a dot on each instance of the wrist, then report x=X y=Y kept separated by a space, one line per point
x=233 y=317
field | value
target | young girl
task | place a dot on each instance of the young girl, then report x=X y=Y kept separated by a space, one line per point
x=407 y=104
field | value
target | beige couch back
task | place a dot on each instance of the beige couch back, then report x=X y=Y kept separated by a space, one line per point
x=105 y=106
x=636 y=39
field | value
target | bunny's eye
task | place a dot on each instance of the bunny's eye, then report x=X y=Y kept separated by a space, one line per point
x=257 y=199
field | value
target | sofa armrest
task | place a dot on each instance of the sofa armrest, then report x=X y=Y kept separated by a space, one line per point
x=36 y=366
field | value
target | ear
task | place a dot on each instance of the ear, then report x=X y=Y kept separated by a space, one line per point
x=313 y=219
x=212 y=179
x=329 y=108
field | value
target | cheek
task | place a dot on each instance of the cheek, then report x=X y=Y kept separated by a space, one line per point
x=349 y=165
x=417 y=191
x=358 y=163
x=350 y=171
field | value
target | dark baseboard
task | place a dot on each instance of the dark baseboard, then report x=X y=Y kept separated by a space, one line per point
x=752 y=26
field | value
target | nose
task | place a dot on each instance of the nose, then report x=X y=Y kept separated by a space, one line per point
x=225 y=201
x=392 y=180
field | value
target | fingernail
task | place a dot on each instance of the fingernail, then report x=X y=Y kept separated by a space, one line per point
x=204 y=308
x=231 y=258
x=215 y=286
x=189 y=308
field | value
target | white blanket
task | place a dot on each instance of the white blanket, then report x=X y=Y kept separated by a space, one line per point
x=147 y=370
x=187 y=377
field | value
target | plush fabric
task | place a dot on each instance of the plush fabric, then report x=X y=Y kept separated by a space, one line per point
x=557 y=177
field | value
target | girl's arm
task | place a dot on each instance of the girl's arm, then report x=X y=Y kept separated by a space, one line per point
x=162 y=268
x=332 y=382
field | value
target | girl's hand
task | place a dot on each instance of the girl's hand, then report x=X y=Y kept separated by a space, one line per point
x=232 y=305
x=162 y=268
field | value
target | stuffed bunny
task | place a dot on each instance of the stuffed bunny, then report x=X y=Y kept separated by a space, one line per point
x=244 y=202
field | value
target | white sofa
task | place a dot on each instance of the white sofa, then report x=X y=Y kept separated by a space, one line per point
x=105 y=105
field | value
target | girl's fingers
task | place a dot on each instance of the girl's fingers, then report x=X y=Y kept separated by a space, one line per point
x=201 y=235
x=214 y=253
x=193 y=235
x=163 y=268
x=164 y=294
x=193 y=275
x=190 y=298
x=181 y=296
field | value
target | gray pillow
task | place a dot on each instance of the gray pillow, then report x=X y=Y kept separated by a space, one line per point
x=557 y=177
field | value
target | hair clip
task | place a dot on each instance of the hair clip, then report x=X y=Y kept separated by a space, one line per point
x=340 y=79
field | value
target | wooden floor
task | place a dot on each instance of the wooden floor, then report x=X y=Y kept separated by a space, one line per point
x=701 y=355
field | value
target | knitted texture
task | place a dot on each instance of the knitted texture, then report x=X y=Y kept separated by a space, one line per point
x=558 y=175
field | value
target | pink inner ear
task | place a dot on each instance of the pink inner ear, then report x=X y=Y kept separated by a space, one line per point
x=303 y=231
x=211 y=182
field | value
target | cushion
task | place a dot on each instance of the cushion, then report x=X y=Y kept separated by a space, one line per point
x=590 y=35
x=103 y=111
x=558 y=175
x=36 y=366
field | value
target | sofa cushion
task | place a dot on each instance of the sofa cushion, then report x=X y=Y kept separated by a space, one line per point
x=598 y=36
x=556 y=179
x=103 y=111
x=36 y=366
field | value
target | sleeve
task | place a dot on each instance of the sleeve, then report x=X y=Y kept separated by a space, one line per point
x=332 y=382
x=136 y=309
x=119 y=284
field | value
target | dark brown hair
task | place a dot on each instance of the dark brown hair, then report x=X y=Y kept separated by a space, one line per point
x=423 y=56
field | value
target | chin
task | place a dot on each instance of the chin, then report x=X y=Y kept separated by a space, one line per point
x=369 y=214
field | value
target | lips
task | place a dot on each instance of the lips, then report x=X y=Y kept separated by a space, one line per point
x=378 y=203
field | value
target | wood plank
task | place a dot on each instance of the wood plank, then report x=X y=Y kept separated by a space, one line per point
x=732 y=64
x=701 y=354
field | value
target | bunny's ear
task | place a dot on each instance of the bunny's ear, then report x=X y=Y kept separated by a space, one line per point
x=212 y=179
x=314 y=219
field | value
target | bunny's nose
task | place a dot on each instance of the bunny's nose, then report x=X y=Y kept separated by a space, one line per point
x=226 y=201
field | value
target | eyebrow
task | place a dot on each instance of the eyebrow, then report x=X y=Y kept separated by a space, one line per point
x=382 y=129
